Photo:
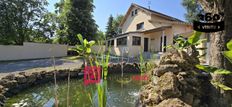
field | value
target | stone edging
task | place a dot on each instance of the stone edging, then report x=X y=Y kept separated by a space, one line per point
x=16 y=82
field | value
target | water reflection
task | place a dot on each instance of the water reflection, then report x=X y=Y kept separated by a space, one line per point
x=118 y=95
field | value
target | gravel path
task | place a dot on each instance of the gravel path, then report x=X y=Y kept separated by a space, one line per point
x=19 y=66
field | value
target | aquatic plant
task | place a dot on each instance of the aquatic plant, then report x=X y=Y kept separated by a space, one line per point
x=214 y=70
x=85 y=50
x=55 y=82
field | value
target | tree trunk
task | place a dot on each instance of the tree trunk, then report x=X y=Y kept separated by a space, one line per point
x=218 y=42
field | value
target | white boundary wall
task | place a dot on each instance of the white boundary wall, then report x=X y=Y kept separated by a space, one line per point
x=32 y=51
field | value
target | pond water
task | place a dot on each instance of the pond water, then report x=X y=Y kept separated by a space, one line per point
x=118 y=94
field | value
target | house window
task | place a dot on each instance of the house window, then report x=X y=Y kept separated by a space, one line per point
x=132 y=13
x=136 y=11
x=111 y=42
x=140 y=26
x=136 y=40
x=122 y=41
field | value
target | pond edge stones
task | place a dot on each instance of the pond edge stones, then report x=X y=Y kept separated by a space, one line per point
x=15 y=82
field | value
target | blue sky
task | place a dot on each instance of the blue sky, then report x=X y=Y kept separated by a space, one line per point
x=103 y=8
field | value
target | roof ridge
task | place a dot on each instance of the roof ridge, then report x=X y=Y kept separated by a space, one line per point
x=153 y=11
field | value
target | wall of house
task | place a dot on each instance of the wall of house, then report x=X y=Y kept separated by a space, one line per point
x=132 y=21
x=156 y=39
x=157 y=21
x=32 y=51
x=119 y=50
x=180 y=28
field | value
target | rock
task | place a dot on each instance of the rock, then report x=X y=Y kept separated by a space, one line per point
x=21 y=79
x=173 y=102
x=181 y=58
x=188 y=98
x=181 y=79
x=1 y=88
x=9 y=77
x=160 y=70
x=168 y=86
x=148 y=96
x=11 y=84
x=32 y=78
x=154 y=98
x=2 y=98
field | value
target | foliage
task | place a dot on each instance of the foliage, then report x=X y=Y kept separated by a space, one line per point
x=193 y=40
x=191 y=43
x=76 y=17
x=105 y=63
x=100 y=37
x=85 y=48
x=193 y=9
x=116 y=23
x=228 y=55
x=142 y=63
x=109 y=28
x=19 y=20
x=101 y=90
x=112 y=28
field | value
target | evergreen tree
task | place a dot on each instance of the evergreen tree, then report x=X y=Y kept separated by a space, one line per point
x=109 y=28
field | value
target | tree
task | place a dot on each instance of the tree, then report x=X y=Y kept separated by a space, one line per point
x=109 y=28
x=193 y=9
x=18 y=18
x=76 y=17
x=100 y=37
x=45 y=29
x=116 y=23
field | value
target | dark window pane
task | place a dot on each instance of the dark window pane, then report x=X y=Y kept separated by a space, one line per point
x=132 y=13
x=136 y=40
x=140 y=26
x=122 y=41
x=136 y=11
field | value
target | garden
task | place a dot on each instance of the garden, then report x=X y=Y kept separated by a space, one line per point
x=88 y=72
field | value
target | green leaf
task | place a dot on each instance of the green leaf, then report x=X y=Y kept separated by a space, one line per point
x=79 y=36
x=214 y=70
x=228 y=55
x=207 y=68
x=88 y=50
x=224 y=87
x=85 y=42
x=200 y=41
x=194 y=38
x=91 y=43
x=223 y=72
x=229 y=45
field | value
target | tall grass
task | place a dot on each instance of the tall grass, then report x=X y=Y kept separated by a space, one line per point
x=55 y=87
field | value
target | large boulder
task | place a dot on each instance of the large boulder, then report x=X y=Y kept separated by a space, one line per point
x=168 y=86
x=176 y=83
x=173 y=102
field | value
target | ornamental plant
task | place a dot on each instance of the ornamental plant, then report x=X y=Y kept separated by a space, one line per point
x=84 y=50
x=214 y=70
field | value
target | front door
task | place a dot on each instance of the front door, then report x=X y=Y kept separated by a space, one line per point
x=145 y=44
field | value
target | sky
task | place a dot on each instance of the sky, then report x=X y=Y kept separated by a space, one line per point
x=104 y=8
